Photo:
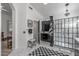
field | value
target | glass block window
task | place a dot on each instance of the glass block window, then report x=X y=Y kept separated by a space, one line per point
x=65 y=32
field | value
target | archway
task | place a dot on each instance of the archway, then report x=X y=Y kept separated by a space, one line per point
x=7 y=28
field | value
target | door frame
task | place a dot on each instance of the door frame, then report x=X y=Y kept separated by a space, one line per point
x=13 y=27
x=39 y=37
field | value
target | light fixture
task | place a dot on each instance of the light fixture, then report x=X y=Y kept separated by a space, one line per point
x=0 y=7
x=67 y=11
x=45 y=3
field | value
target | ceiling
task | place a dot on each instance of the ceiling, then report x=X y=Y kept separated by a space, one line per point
x=39 y=7
x=56 y=9
x=45 y=9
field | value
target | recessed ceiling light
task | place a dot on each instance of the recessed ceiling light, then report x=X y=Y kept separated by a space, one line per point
x=45 y=3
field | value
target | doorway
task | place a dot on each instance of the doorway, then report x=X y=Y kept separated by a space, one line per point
x=36 y=31
x=6 y=29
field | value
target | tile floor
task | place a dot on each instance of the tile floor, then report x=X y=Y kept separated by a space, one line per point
x=26 y=51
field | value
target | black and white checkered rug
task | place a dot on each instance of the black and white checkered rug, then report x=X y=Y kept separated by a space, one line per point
x=43 y=51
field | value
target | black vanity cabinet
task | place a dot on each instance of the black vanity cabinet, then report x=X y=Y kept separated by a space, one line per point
x=45 y=37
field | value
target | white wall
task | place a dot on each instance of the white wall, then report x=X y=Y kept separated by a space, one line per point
x=20 y=17
x=22 y=14
x=32 y=15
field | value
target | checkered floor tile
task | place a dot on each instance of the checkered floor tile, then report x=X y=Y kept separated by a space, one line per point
x=43 y=51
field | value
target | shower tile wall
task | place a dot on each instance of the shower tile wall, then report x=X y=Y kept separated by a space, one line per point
x=65 y=32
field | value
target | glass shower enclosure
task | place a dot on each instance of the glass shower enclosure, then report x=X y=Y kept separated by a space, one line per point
x=66 y=32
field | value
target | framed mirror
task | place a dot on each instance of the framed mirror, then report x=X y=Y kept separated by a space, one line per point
x=29 y=23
